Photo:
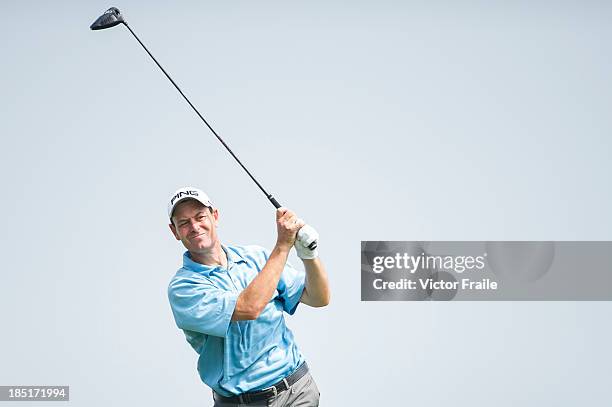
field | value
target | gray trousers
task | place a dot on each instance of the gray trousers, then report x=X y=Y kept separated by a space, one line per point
x=303 y=393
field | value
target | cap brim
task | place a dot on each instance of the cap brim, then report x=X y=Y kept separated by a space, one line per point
x=207 y=204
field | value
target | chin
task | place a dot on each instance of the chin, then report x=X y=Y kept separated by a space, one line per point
x=199 y=246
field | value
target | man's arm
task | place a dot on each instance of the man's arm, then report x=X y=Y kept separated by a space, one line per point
x=253 y=299
x=316 y=290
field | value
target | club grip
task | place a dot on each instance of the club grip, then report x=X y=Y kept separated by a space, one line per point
x=274 y=202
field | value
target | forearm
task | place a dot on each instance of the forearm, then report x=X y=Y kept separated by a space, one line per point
x=253 y=299
x=316 y=289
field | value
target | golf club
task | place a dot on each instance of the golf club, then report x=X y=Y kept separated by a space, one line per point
x=113 y=17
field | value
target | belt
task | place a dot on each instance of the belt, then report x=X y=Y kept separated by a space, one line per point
x=264 y=394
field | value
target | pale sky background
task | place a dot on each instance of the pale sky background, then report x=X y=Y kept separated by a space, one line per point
x=387 y=120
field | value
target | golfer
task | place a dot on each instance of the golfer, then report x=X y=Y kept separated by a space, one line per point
x=229 y=302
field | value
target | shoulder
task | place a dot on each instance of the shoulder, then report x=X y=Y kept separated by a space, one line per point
x=249 y=251
x=185 y=278
x=255 y=256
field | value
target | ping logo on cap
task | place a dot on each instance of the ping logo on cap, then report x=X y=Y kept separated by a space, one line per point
x=183 y=193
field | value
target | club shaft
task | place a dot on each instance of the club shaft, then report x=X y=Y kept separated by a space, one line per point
x=269 y=196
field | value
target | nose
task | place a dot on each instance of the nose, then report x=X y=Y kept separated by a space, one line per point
x=194 y=227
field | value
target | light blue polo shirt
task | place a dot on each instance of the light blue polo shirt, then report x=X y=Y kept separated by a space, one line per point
x=236 y=356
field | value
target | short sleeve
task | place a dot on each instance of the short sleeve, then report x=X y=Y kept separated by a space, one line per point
x=290 y=287
x=200 y=306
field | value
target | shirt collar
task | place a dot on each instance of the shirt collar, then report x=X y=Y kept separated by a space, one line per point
x=232 y=257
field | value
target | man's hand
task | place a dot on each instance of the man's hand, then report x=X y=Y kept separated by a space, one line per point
x=287 y=226
x=307 y=237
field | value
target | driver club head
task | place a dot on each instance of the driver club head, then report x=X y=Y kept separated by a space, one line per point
x=110 y=18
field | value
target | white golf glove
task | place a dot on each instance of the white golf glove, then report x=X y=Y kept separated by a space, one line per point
x=306 y=236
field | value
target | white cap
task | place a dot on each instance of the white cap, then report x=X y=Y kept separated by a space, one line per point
x=187 y=193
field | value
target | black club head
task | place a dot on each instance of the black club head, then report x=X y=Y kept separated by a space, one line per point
x=110 y=18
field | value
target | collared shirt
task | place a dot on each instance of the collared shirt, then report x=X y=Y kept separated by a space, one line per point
x=236 y=356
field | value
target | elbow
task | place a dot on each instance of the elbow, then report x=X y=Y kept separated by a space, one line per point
x=256 y=310
x=323 y=302
x=319 y=300
x=326 y=298
x=253 y=313
x=247 y=311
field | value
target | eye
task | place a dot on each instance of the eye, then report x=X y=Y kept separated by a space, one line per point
x=201 y=217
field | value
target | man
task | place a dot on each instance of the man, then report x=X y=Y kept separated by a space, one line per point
x=229 y=301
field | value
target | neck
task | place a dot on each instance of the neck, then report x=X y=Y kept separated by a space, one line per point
x=215 y=257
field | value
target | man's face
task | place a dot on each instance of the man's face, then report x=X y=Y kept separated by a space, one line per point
x=195 y=226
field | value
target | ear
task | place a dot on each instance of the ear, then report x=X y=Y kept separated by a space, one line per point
x=215 y=215
x=173 y=229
